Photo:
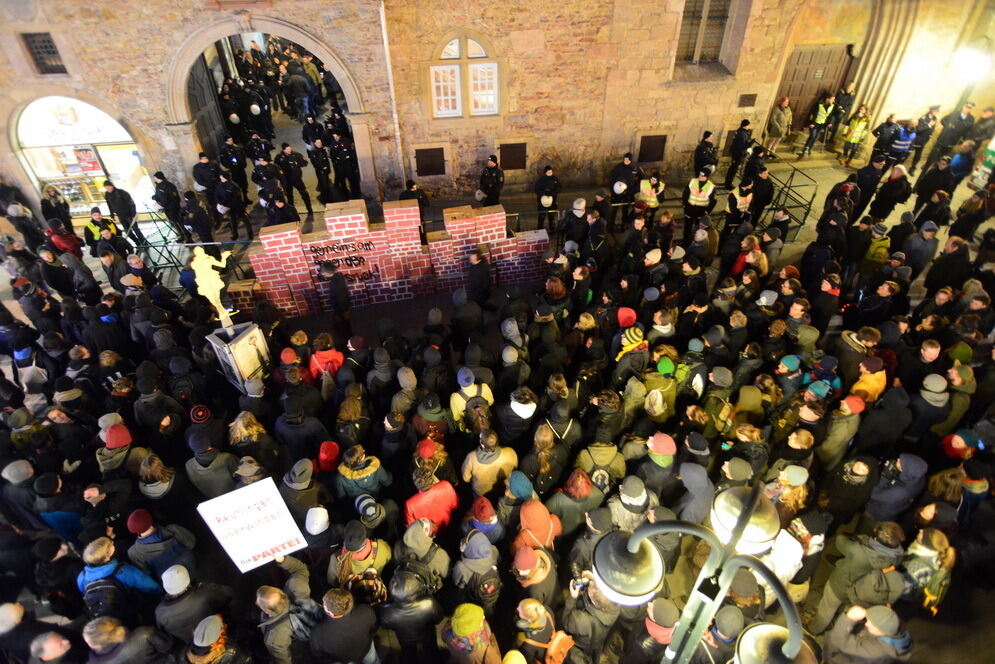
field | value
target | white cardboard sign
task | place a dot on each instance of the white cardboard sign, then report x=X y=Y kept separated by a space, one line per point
x=253 y=524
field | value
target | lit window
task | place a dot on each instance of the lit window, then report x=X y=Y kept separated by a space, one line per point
x=702 y=31
x=446 y=91
x=470 y=82
x=44 y=53
x=483 y=88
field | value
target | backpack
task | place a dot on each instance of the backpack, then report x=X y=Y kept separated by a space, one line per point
x=476 y=411
x=689 y=380
x=484 y=589
x=182 y=389
x=304 y=615
x=367 y=587
x=935 y=590
x=412 y=564
x=879 y=586
x=107 y=597
x=558 y=647
x=601 y=475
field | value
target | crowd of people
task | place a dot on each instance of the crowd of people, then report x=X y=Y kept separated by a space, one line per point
x=453 y=479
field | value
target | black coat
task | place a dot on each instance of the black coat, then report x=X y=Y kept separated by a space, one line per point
x=121 y=204
x=704 y=155
x=168 y=198
x=479 y=281
x=949 y=269
x=292 y=165
x=892 y=193
x=178 y=616
x=339 y=294
x=410 y=613
x=345 y=639
x=206 y=175
x=492 y=180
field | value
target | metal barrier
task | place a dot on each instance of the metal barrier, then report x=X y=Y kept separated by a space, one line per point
x=796 y=193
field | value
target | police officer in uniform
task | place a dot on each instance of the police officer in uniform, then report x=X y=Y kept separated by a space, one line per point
x=258 y=147
x=738 y=210
x=924 y=131
x=168 y=198
x=740 y=144
x=205 y=177
x=292 y=165
x=491 y=181
x=229 y=196
x=698 y=199
x=820 y=116
x=622 y=182
x=196 y=221
x=956 y=126
x=343 y=157
x=232 y=157
x=322 y=168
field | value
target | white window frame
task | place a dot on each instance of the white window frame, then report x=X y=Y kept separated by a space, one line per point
x=490 y=70
x=457 y=95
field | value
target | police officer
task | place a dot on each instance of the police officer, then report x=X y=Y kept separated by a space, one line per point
x=205 y=177
x=195 y=220
x=230 y=198
x=292 y=165
x=698 y=199
x=622 y=182
x=258 y=147
x=282 y=213
x=956 y=126
x=820 y=116
x=232 y=157
x=491 y=181
x=740 y=144
x=924 y=131
x=340 y=151
x=738 y=211
x=91 y=231
x=122 y=207
x=168 y=198
x=310 y=131
x=322 y=167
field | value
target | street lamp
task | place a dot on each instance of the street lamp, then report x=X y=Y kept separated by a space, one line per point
x=629 y=570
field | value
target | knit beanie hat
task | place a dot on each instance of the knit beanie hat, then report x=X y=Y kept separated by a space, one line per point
x=482 y=509
x=299 y=476
x=467 y=619
x=525 y=559
x=661 y=443
x=884 y=618
x=665 y=367
x=872 y=364
x=465 y=377
x=696 y=346
x=855 y=404
x=117 y=435
x=520 y=485
x=632 y=335
x=139 y=521
x=791 y=362
x=316 y=520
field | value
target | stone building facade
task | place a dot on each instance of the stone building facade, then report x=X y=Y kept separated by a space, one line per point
x=578 y=83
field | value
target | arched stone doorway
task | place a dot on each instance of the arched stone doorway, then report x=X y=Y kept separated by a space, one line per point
x=178 y=110
x=12 y=107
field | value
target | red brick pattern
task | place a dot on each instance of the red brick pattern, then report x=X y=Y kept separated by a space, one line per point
x=384 y=262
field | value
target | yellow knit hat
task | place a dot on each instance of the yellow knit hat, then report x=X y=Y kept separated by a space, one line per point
x=467 y=619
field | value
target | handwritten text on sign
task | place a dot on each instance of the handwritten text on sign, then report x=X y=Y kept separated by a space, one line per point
x=253 y=524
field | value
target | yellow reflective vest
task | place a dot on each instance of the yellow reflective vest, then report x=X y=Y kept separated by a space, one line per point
x=699 y=195
x=743 y=202
x=649 y=194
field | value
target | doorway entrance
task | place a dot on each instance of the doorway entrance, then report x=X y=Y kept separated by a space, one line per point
x=811 y=72
x=75 y=146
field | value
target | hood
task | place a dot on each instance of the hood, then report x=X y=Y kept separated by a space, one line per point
x=431 y=414
x=111 y=459
x=417 y=540
x=370 y=466
x=602 y=454
x=478 y=547
x=750 y=399
x=510 y=331
x=91 y=574
x=694 y=477
x=807 y=335
x=473 y=356
x=913 y=468
x=406 y=587
x=535 y=517
x=895 y=398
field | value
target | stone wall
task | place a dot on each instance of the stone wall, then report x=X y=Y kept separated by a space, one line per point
x=384 y=262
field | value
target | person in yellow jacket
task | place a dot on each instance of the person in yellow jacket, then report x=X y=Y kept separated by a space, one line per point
x=872 y=381
x=853 y=135
x=651 y=192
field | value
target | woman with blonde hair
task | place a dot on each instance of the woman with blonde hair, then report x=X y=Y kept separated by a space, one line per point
x=171 y=498
x=535 y=627
x=789 y=492
x=545 y=463
x=247 y=437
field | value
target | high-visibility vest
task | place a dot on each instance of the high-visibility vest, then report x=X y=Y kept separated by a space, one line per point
x=648 y=193
x=902 y=141
x=856 y=130
x=699 y=195
x=743 y=202
x=95 y=228
x=822 y=113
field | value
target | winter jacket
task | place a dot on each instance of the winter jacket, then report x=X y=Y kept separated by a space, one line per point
x=602 y=456
x=850 y=643
x=212 y=472
x=842 y=428
x=486 y=471
x=589 y=625
x=345 y=639
x=411 y=612
x=143 y=645
x=960 y=402
x=537 y=528
x=572 y=512
x=949 y=269
x=127 y=575
x=299 y=501
x=893 y=495
x=479 y=556
x=277 y=630
x=371 y=477
x=302 y=435
x=861 y=554
x=694 y=505
x=871 y=384
x=850 y=353
x=166 y=546
x=128 y=458
x=883 y=425
x=179 y=615
x=437 y=505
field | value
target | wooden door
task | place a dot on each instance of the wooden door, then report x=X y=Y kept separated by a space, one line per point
x=811 y=72
x=203 y=96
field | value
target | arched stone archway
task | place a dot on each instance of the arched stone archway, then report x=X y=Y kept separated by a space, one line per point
x=18 y=98
x=177 y=101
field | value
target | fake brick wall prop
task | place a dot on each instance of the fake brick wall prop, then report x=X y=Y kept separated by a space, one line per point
x=384 y=262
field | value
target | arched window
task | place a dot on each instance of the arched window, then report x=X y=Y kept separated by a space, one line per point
x=464 y=80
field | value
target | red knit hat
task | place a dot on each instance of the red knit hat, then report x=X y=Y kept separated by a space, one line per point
x=855 y=404
x=426 y=448
x=482 y=509
x=117 y=436
x=328 y=456
x=139 y=521
x=289 y=356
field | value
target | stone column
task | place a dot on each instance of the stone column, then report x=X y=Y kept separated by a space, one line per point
x=891 y=26
x=179 y=153
x=363 y=140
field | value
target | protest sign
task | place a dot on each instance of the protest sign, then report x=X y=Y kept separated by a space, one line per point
x=253 y=524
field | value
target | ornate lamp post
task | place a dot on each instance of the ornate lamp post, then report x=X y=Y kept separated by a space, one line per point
x=629 y=570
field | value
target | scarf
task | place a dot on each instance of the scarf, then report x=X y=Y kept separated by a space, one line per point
x=487 y=456
x=196 y=654
x=659 y=633
x=628 y=348
x=899 y=642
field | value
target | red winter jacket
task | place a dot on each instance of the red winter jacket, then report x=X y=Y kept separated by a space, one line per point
x=437 y=505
